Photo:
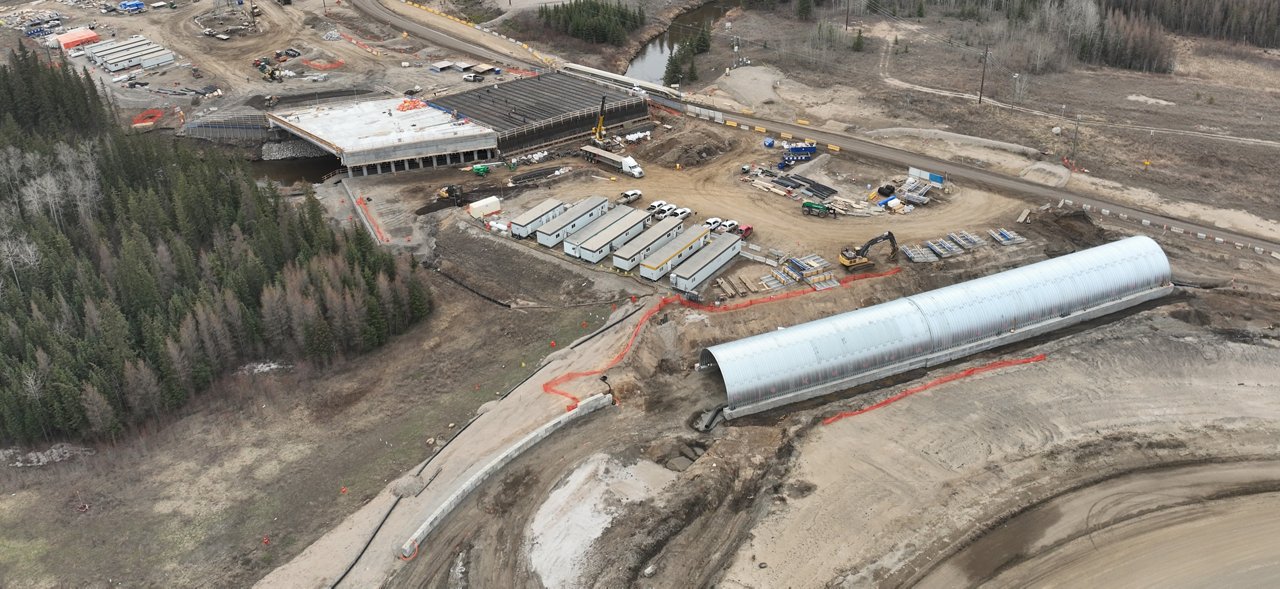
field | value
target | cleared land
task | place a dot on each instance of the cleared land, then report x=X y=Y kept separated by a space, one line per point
x=1179 y=394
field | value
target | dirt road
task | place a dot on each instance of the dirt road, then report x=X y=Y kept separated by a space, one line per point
x=1200 y=525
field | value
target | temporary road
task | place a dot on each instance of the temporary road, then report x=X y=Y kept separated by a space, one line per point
x=379 y=12
x=861 y=147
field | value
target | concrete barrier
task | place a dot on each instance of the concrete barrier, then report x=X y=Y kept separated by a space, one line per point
x=587 y=406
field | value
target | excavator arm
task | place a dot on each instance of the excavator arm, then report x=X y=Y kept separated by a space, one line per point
x=854 y=259
x=887 y=236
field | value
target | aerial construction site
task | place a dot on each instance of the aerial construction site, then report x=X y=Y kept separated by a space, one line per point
x=850 y=296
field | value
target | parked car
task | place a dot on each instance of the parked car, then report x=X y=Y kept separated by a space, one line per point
x=664 y=210
x=473 y=78
x=291 y=52
x=727 y=226
x=712 y=223
x=629 y=196
x=744 y=231
x=655 y=205
x=681 y=213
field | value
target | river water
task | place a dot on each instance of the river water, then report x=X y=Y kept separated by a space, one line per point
x=650 y=63
x=290 y=171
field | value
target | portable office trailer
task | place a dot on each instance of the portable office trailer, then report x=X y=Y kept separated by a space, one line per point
x=578 y=216
x=484 y=207
x=704 y=264
x=577 y=238
x=628 y=256
x=98 y=51
x=527 y=222
x=675 y=251
x=604 y=243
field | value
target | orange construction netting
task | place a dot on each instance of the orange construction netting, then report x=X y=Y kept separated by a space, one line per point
x=322 y=64
x=933 y=383
x=552 y=386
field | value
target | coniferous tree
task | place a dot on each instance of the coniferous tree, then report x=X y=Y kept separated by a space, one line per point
x=135 y=271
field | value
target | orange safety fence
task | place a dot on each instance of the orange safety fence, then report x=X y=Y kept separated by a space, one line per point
x=519 y=72
x=551 y=386
x=150 y=115
x=933 y=383
x=377 y=230
x=360 y=44
x=322 y=64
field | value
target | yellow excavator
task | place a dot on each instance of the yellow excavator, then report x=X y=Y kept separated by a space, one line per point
x=853 y=259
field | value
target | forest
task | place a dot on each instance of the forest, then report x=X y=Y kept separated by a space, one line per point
x=595 y=21
x=136 y=270
x=1043 y=36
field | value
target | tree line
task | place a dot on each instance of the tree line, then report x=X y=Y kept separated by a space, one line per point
x=595 y=21
x=1256 y=22
x=135 y=271
x=680 y=64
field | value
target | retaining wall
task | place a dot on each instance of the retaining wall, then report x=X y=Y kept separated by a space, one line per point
x=590 y=405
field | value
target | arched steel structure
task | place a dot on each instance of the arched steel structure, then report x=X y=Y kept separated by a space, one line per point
x=828 y=355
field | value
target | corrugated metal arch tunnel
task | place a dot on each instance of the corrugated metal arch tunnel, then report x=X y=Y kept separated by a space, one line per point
x=839 y=352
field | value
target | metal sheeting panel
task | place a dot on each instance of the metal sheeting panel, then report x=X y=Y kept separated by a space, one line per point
x=821 y=355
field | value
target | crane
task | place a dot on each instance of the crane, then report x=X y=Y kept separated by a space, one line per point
x=597 y=132
x=853 y=259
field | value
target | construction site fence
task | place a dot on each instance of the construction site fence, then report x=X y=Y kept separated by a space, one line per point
x=323 y=64
x=552 y=387
x=411 y=546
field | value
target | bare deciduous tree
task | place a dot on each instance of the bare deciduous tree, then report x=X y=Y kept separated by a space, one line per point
x=96 y=408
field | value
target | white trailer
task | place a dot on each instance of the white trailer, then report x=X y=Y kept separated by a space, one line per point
x=578 y=216
x=706 y=263
x=596 y=227
x=675 y=251
x=624 y=163
x=628 y=256
x=524 y=225
x=604 y=243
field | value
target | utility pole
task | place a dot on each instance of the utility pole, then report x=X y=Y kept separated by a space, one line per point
x=983 y=84
x=1075 y=141
x=847 y=6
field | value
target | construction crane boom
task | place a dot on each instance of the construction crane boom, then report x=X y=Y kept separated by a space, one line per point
x=597 y=132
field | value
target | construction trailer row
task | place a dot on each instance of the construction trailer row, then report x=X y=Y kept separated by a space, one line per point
x=573 y=242
x=660 y=262
x=600 y=245
x=706 y=263
x=591 y=231
x=554 y=230
x=136 y=51
x=629 y=256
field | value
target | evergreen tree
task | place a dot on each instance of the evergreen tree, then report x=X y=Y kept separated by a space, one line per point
x=858 y=43
x=804 y=9
x=135 y=271
x=671 y=76
x=692 y=75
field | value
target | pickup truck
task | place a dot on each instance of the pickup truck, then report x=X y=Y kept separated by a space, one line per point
x=629 y=197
